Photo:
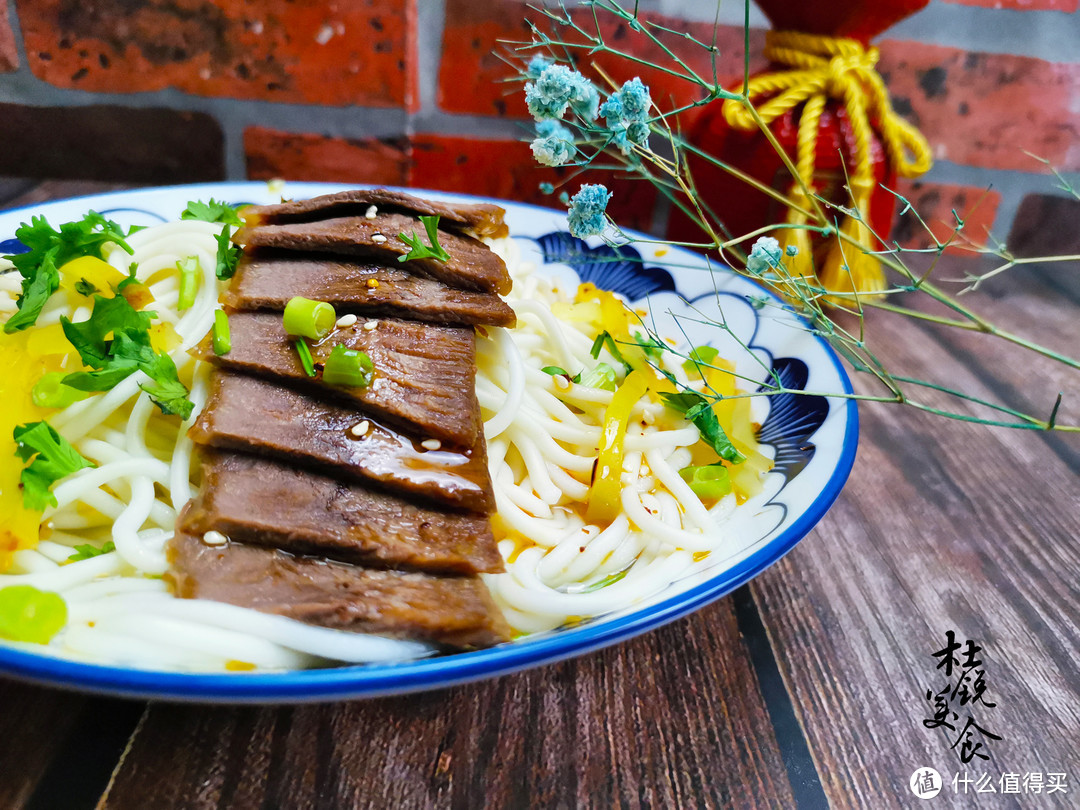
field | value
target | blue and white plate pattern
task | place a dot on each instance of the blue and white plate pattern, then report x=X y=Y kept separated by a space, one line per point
x=814 y=437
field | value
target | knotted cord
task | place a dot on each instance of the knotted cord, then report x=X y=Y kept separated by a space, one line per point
x=823 y=68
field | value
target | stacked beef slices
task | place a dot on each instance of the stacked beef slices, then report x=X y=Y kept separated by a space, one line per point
x=356 y=508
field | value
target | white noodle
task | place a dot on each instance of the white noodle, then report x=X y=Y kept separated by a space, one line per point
x=543 y=436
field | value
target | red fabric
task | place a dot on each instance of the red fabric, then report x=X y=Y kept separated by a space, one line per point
x=742 y=208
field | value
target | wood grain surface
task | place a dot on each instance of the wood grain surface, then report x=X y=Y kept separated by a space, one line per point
x=673 y=719
x=804 y=689
x=944 y=526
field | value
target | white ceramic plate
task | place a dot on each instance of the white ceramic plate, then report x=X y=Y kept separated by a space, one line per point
x=815 y=439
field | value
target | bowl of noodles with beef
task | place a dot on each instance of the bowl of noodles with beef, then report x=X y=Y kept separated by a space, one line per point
x=654 y=431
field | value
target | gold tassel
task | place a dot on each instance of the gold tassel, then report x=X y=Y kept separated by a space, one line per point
x=801 y=265
x=848 y=267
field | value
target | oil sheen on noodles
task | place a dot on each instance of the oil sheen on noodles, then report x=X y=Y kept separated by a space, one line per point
x=543 y=436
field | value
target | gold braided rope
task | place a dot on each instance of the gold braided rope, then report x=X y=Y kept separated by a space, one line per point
x=825 y=68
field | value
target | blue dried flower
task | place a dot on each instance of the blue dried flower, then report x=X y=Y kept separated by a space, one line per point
x=766 y=253
x=554 y=145
x=635 y=100
x=537 y=65
x=557 y=88
x=587 y=209
x=792 y=250
x=547 y=188
x=627 y=112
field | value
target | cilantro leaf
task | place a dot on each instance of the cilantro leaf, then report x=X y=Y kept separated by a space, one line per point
x=418 y=250
x=228 y=255
x=84 y=287
x=50 y=249
x=212 y=211
x=37 y=287
x=53 y=459
x=605 y=339
x=86 y=551
x=165 y=388
x=559 y=371
x=129 y=350
x=133 y=268
x=698 y=410
x=110 y=315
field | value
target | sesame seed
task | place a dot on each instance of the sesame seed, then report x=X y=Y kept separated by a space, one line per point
x=371 y=212
x=372 y=283
x=346 y=320
x=360 y=429
x=378 y=238
x=215 y=539
x=370 y=326
x=648 y=417
x=561 y=381
x=431 y=444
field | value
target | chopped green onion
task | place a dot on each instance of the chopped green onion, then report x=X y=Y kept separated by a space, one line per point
x=652 y=347
x=602 y=377
x=710 y=483
x=702 y=355
x=310 y=319
x=29 y=614
x=306 y=360
x=50 y=392
x=347 y=366
x=610 y=579
x=189 y=281
x=605 y=339
x=222 y=337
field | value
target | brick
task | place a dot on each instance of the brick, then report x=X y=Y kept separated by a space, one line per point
x=935 y=203
x=486 y=167
x=271 y=154
x=506 y=169
x=314 y=52
x=472 y=47
x=119 y=144
x=1046 y=225
x=1022 y=5
x=986 y=110
x=9 y=55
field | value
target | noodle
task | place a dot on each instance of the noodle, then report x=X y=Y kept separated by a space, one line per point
x=543 y=436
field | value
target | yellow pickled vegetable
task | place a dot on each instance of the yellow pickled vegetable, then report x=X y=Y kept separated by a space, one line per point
x=734 y=416
x=605 y=495
x=604 y=311
x=20 y=369
x=163 y=338
x=46 y=340
x=99 y=274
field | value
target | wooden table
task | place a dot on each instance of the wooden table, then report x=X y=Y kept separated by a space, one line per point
x=807 y=688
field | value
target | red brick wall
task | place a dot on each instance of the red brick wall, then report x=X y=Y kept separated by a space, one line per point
x=367 y=92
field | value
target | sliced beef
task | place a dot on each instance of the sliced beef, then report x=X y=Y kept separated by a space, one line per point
x=262 y=417
x=267 y=282
x=481 y=219
x=424 y=373
x=267 y=503
x=472 y=264
x=458 y=611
